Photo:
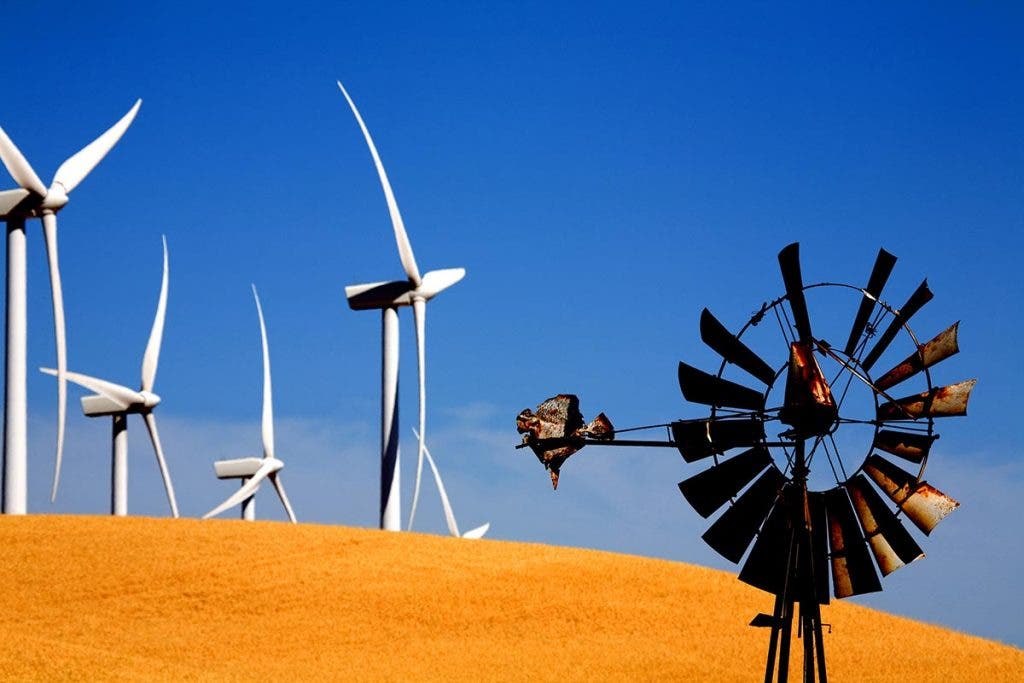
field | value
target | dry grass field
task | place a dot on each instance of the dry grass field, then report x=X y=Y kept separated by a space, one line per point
x=98 y=598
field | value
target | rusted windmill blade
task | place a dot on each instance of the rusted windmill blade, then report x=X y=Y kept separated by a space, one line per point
x=928 y=354
x=698 y=439
x=919 y=298
x=714 y=487
x=912 y=446
x=789 y=263
x=884 y=263
x=732 y=533
x=700 y=387
x=729 y=347
x=890 y=542
x=853 y=573
x=921 y=502
x=948 y=401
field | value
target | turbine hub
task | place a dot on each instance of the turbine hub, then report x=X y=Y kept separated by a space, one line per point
x=149 y=399
x=55 y=199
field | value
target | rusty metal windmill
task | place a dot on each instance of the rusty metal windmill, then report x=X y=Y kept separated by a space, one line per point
x=763 y=444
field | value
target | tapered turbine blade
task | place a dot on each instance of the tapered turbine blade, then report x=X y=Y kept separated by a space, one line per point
x=10 y=199
x=401 y=238
x=115 y=392
x=919 y=298
x=732 y=349
x=712 y=488
x=419 y=311
x=449 y=515
x=74 y=170
x=924 y=504
x=890 y=542
x=275 y=479
x=60 y=340
x=912 y=446
x=159 y=451
x=267 y=421
x=853 y=573
x=246 y=490
x=937 y=350
x=879 y=276
x=436 y=281
x=18 y=166
x=732 y=532
x=151 y=357
x=789 y=262
x=700 y=387
x=698 y=439
x=948 y=401
x=477 y=532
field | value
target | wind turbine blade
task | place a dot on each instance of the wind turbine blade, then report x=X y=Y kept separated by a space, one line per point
x=436 y=281
x=247 y=489
x=11 y=198
x=155 y=438
x=18 y=166
x=419 y=310
x=268 y=401
x=401 y=238
x=477 y=532
x=453 y=527
x=115 y=392
x=74 y=170
x=279 y=487
x=60 y=340
x=152 y=356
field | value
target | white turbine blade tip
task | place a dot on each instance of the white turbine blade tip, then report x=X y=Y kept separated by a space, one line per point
x=77 y=167
x=477 y=532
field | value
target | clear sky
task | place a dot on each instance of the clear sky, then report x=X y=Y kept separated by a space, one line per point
x=603 y=171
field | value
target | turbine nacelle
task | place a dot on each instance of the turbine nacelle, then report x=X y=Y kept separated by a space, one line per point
x=243 y=468
x=401 y=292
x=99 y=405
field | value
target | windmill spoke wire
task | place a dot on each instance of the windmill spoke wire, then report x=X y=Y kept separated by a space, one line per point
x=839 y=458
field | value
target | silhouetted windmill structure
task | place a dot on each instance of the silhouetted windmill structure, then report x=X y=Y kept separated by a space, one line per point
x=763 y=442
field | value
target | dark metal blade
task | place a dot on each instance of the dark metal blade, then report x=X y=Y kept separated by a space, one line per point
x=924 y=504
x=938 y=349
x=699 y=439
x=732 y=532
x=712 y=488
x=853 y=572
x=766 y=565
x=701 y=387
x=890 y=541
x=912 y=446
x=919 y=298
x=879 y=276
x=732 y=349
x=789 y=262
x=819 y=543
x=948 y=401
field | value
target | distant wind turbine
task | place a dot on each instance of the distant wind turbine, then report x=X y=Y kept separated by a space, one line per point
x=252 y=471
x=33 y=199
x=388 y=296
x=449 y=516
x=117 y=402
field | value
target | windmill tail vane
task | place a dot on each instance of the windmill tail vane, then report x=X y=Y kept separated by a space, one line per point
x=557 y=430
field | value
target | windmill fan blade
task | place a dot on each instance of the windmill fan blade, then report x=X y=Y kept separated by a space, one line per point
x=151 y=357
x=919 y=298
x=729 y=347
x=912 y=446
x=74 y=170
x=789 y=262
x=713 y=487
x=419 y=310
x=246 y=490
x=819 y=544
x=115 y=392
x=60 y=340
x=18 y=166
x=700 y=387
x=948 y=401
x=852 y=570
x=879 y=276
x=937 y=350
x=732 y=532
x=449 y=515
x=10 y=199
x=890 y=542
x=267 y=420
x=766 y=565
x=698 y=439
x=924 y=504
x=155 y=438
x=275 y=479
x=401 y=238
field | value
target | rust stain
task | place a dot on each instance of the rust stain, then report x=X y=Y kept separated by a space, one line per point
x=948 y=401
x=938 y=349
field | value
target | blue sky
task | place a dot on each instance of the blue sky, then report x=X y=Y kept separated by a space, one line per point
x=602 y=171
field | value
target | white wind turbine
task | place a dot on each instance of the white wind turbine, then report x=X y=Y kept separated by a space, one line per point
x=252 y=471
x=35 y=200
x=388 y=297
x=117 y=402
x=449 y=515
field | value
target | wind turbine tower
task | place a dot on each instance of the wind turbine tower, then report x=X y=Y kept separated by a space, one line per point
x=388 y=297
